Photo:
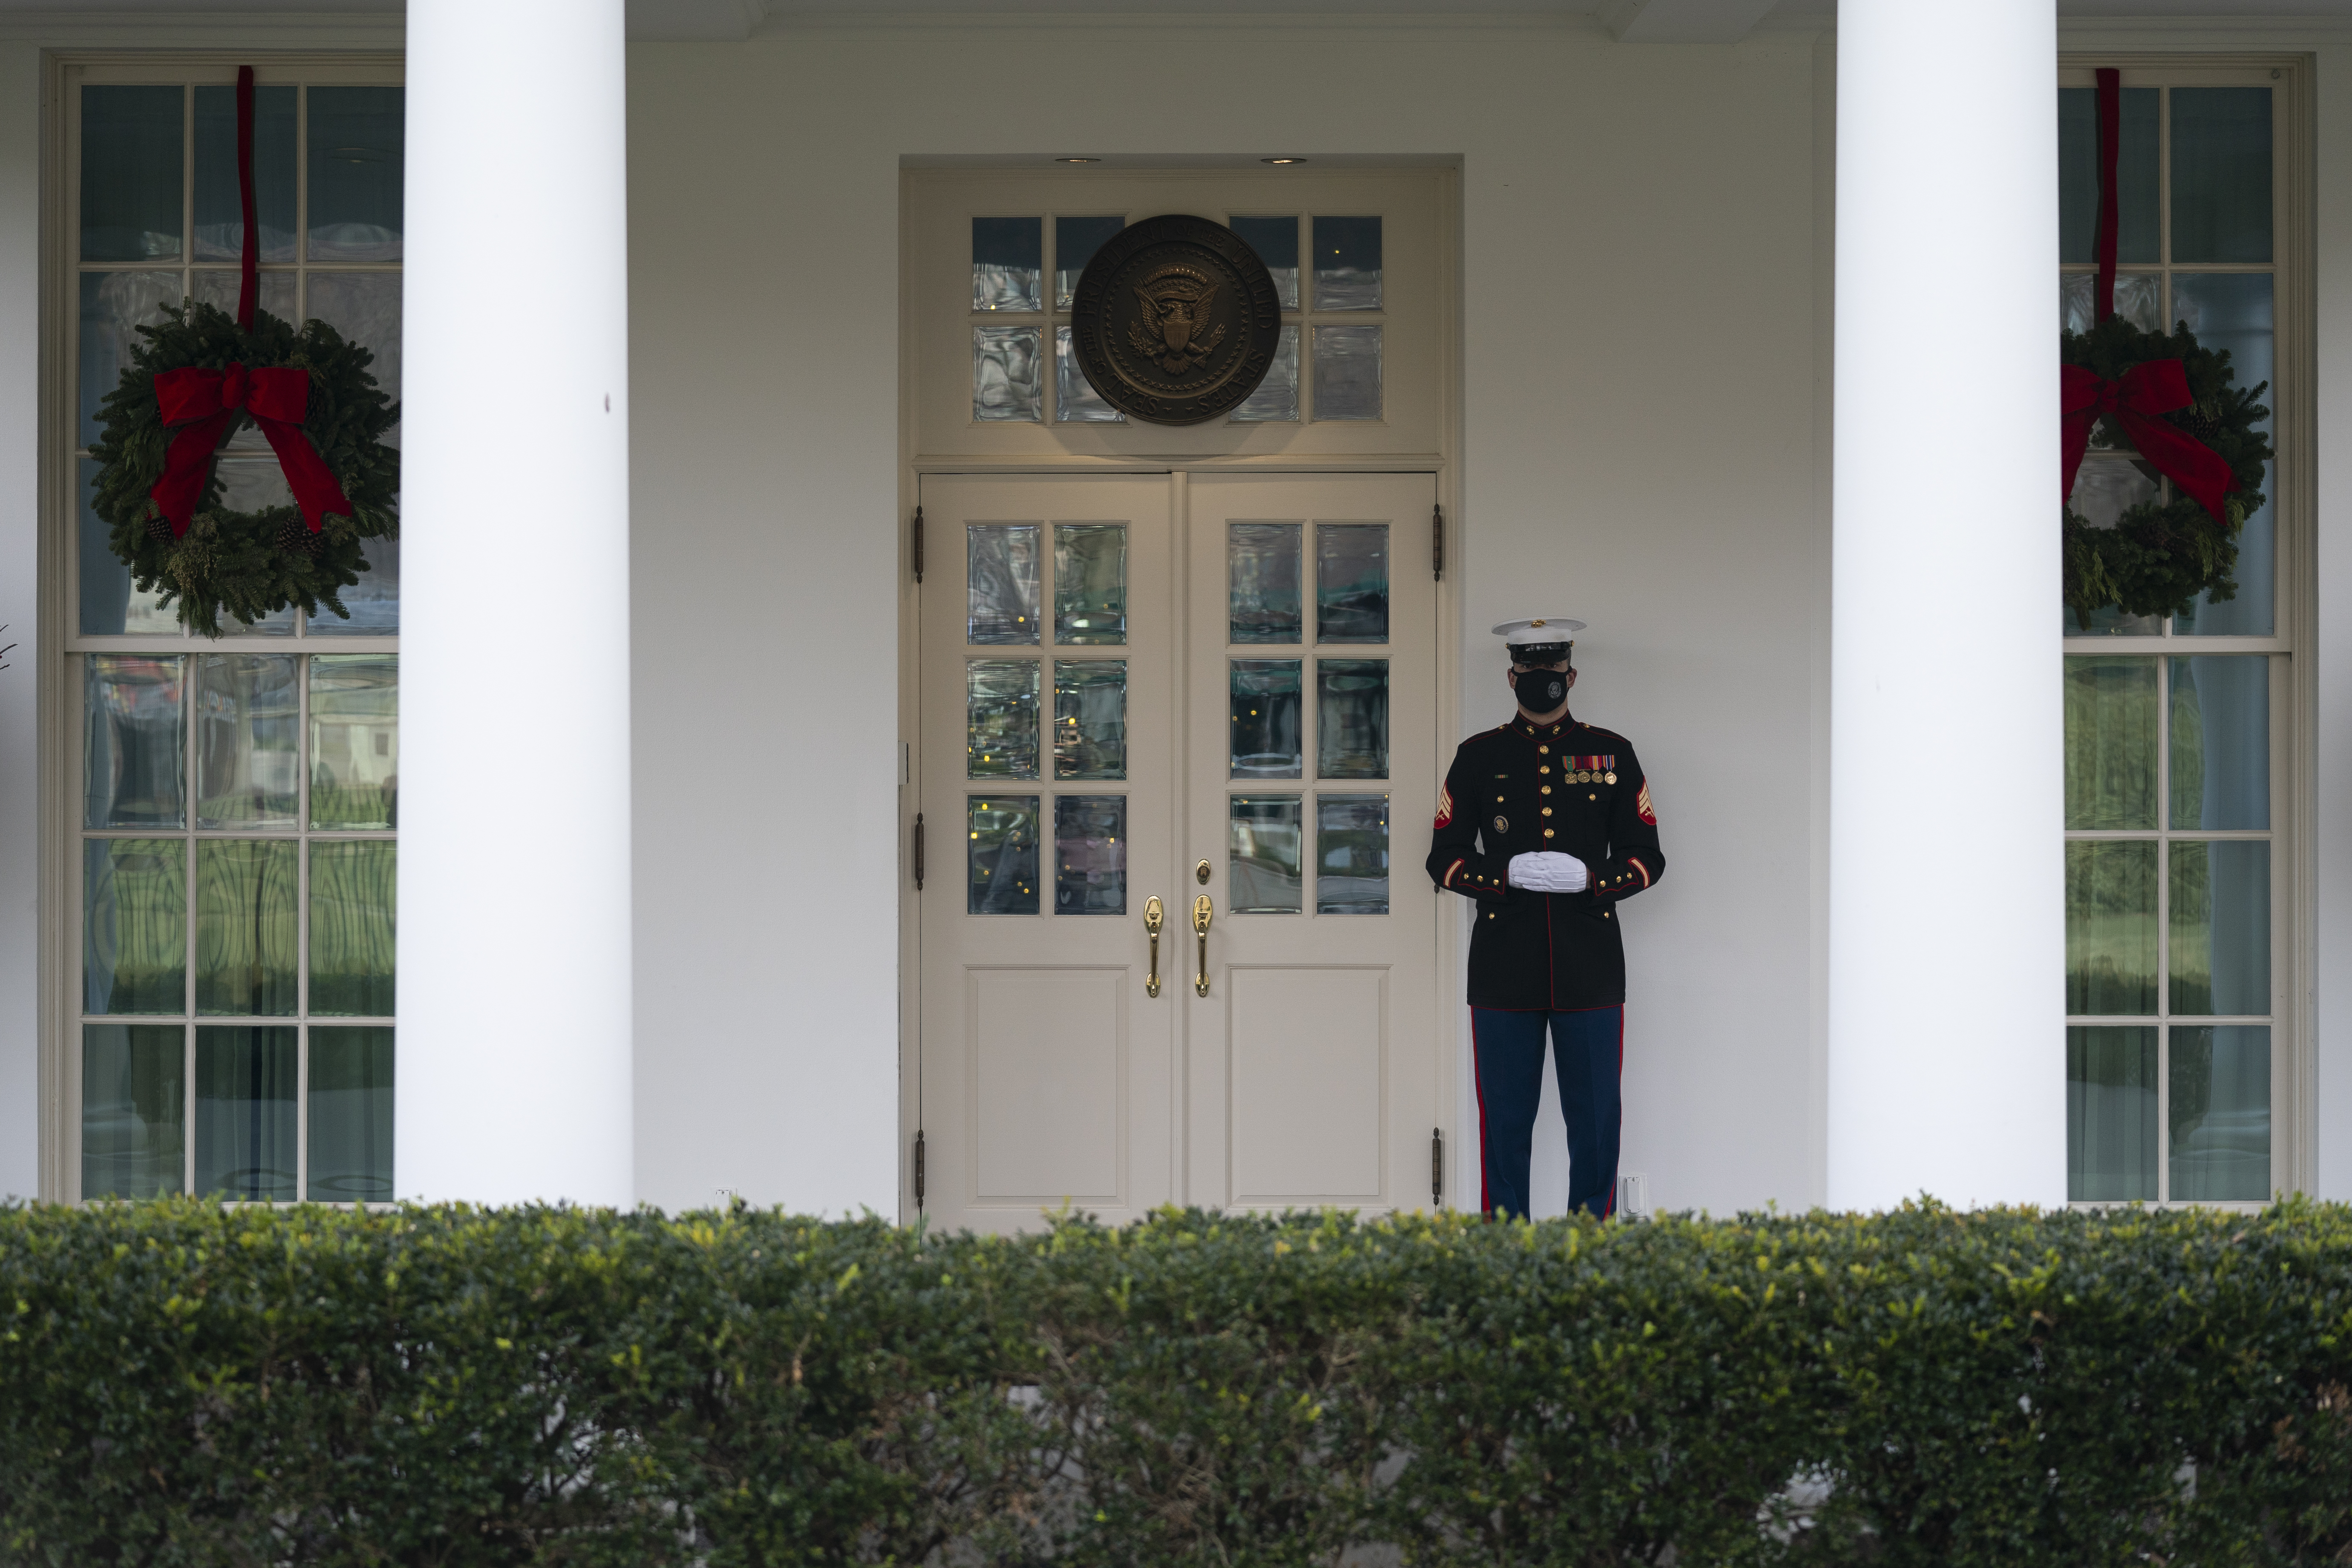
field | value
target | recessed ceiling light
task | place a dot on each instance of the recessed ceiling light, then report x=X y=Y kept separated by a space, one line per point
x=1282 y=160
x=1077 y=159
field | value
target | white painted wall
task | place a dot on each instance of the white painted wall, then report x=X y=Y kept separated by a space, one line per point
x=20 y=821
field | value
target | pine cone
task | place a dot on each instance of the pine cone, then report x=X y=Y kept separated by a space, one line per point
x=2196 y=423
x=159 y=529
x=294 y=537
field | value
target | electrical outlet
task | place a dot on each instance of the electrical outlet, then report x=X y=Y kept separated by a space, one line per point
x=1633 y=1194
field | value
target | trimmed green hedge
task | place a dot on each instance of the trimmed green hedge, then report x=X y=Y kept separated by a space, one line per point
x=187 y=1384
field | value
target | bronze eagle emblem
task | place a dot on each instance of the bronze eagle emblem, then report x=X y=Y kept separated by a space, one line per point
x=1175 y=301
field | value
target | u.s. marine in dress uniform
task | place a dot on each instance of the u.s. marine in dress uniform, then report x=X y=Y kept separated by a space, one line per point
x=1546 y=825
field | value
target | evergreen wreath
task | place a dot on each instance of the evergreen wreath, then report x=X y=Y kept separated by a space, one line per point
x=248 y=564
x=2161 y=554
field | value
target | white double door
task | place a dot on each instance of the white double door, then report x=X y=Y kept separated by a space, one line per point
x=1214 y=691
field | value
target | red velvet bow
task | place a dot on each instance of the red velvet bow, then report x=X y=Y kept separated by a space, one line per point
x=202 y=405
x=2157 y=387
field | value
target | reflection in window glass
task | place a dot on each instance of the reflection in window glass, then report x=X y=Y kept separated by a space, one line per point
x=247 y=893
x=351 y=1115
x=1001 y=574
x=2219 y=1113
x=1001 y=719
x=1276 y=240
x=249 y=715
x=2220 y=765
x=2220 y=927
x=133 y=1079
x=2253 y=611
x=354 y=947
x=108 y=603
x=1352 y=582
x=2111 y=1114
x=114 y=306
x=357 y=173
x=1346 y=373
x=1090 y=584
x=2110 y=725
x=1274 y=400
x=134 y=950
x=1005 y=374
x=1264 y=695
x=2221 y=173
x=2110 y=927
x=1262 y=575
x=1091 y=719
x=1351 y=855
x=130 y=167
x=220 y=210
x=1091 y=855
x=355 y=741
x=1007 y=257
x=2139 y=299
x=2136 y=176
x=1347 y=263
x=1351 y=718
x=134 y=740
x=1076 y=240
x=246 y=1079
x=1002 y=863
x=2104 y=492
x=1261 y=854
x=1075 y=401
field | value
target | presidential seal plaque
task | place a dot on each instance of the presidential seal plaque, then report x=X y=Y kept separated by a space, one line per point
x=1175 y=321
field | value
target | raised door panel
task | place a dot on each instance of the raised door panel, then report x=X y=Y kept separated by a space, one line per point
x=1307 y=1054
x=1048 y=1090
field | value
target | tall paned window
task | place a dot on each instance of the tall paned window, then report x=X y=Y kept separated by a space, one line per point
x=2177 y=854
x=232 y=887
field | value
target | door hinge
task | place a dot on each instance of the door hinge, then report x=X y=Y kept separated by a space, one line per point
x=1437 y=1167
x=919 y=851
x=919 y=1170
x=915 y=550
x=1436 y=544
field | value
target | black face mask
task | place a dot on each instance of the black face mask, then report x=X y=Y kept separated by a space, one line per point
x=1541 y=691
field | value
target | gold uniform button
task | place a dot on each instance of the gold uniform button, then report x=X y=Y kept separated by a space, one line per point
x=1593 y=797
x=1547 y=833
x=1545 y=768
x=1543 y=751
x=1546 y=789
x=1547 y=811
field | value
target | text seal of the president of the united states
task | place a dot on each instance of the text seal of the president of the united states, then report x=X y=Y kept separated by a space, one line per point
x=1175 y=321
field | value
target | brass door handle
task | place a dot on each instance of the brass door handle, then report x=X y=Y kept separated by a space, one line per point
x=1203 y=913
x=1152 y=916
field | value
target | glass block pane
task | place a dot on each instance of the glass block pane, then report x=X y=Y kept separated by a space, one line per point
x=2220 y=926
x=134 y=953
x=1351 y=718
x=1091 y=719
x=132 y=139
x=355 y=741
x=2139 y=299
x=2219 y=1113
x=1075 y=401
x=2105 y=489
x=2233 y=311
x=1001 y=719
x=2111 y=1114
x=109 y=606
x=1351 y=855
x=1352 y=582
x=365 y=308
x=2111 y=729
x=1276 y=240
x=2110 y=927
x=1076 y=240
x=1002 y=870
x=2221 y=761
x=133 y=1109
x=1347 y=263
x=248 y=740
x=1007 y=255
x=1090 y=584
x=1262 y=576
x=1265 y=698
x=247 y=1077
x=356 y=170
x=135 y=744
x=1001 y=573
x=2221 y=173
x=351 y=1115
x=1261 y=854
x=1091 y=855
x=1004 y=373
x=1346 y=373
x=2136 y=175
x=2253 y=611
x=113 y=306
x=353 y=925
x=220 y=212
x=1275 y=399
x=247 y=893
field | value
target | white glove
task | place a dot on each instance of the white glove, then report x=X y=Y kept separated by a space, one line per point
x=1548 y=871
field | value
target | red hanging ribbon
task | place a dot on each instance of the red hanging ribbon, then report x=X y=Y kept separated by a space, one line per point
x=2143 y=392
x=2110 y=134
x=202 y=405
x=248 y=289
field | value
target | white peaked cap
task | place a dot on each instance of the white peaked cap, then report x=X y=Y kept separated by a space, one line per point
x=1542 y=629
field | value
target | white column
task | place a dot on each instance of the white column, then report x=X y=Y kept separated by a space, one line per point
x=514 y=1048
x=1947 y=1016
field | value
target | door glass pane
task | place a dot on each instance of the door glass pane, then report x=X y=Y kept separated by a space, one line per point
x=1351 y=855
x=1000 y=561
x=246 y=897
x=1002 y=870
x=2221 y=173
x=2104 y=492
x=1091 y=719
x=1007 y=254
x=246 y=1079
x=1001 y=719
x=356 y=172
x=355 y=741
x=134 y=925
x=114 y=306
x=2253 y=612
x=1261 y=854
x=1265 y=699
x=1347 y=263
x=1351 y=718
x=2139 y=299
x=2111 y=727
x=248 y=729
x=2237 y=311
x=1076 y=240
x=353 y=885
x=1091 y=855
x=2219 y=1113
x=2110 y=927
x=1276 y=240
x=2078 y=174
x=365 y=308
x=1274 y=400
x=2220 y=742
x=1352 y=582
x=1075 y=401
x=2220 y=926
x=1262 y=575
x=1090 y=584
x=1005 y=374
x=1346 y=373
x=130 y=162
x=351 y=1115
x=109 y=604
x=2111 y=1114
x=134 y=740
x=133 y=1077
x=220 y=211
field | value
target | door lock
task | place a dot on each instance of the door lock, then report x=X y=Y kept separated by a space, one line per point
x=1153 y=915
x=1200 y=873
x=1203 y=913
